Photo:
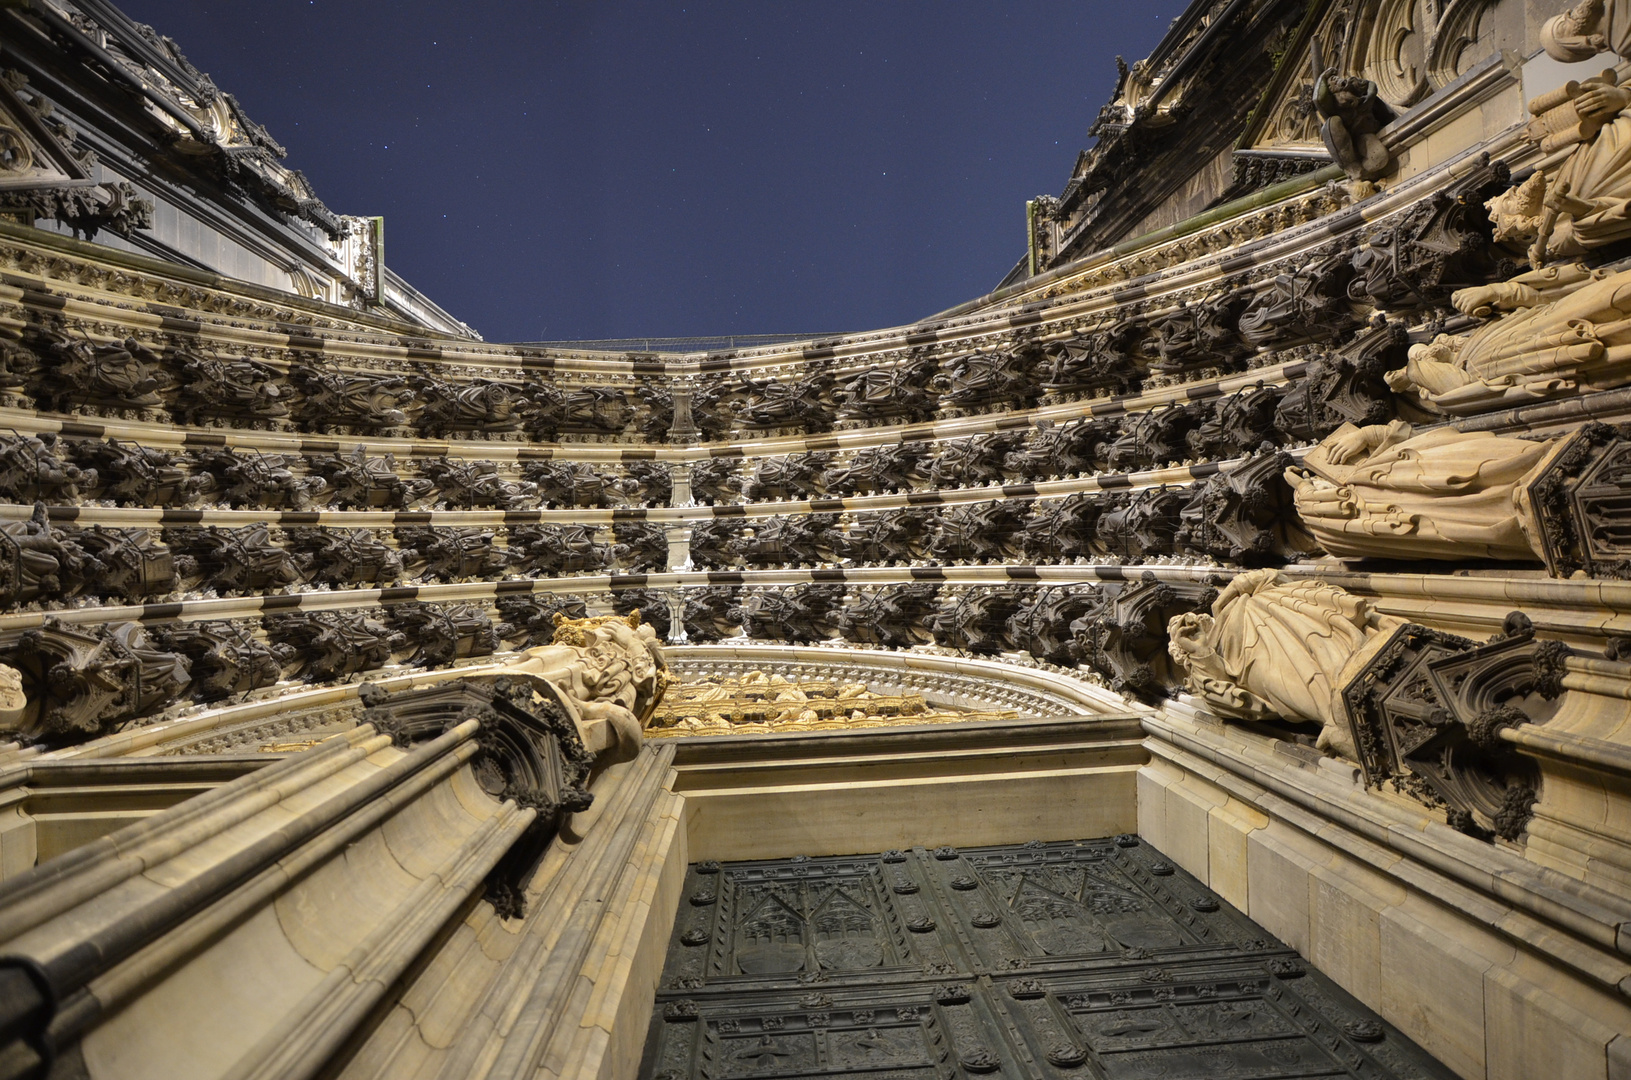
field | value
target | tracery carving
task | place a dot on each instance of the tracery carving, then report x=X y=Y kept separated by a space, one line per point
x=451 y=552
x=1442 y=243
x=1203 y=333
x=896 y=616
x=1043 y=624
x=472 y=484
x=82 y=681
x=1244 y=515
x=229 y=388
x=257 y=480
x=224 y=656
x=334 y=644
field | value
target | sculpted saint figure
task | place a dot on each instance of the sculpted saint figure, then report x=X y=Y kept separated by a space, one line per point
x=606 y=672
x=1387 y=492
x=1276 y=646
x=1570 y=327
x=1582 y=203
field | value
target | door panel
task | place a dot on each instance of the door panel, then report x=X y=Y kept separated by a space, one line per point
x=1096 y=958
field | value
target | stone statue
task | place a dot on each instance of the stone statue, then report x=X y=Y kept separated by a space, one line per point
x=607 y=674
x=1569 y=329
x=13 y=699
x=1582 y=204
x=1274 y=646
x=1351 y=115
x=1387 y=492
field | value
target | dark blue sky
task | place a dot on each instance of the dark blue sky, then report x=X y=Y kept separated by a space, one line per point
x=601 y=169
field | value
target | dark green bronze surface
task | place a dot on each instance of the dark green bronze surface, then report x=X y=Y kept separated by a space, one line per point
x=1089 y=959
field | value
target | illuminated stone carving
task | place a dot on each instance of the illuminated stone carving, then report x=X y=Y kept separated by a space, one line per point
x=768 y=704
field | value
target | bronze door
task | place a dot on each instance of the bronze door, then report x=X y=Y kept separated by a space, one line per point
x=1089 y=959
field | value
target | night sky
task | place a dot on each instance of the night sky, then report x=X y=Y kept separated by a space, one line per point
x=553 y=171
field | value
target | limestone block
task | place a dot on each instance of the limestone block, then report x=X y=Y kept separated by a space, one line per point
x=844 y=818
x=1433 y=967
x=1280 y=862
x=1227 y=829
x=1541 y=1022
x=417 y=837
x=1189 y=806
x=1345 y=907
x=1153 y=781
x=18 y=847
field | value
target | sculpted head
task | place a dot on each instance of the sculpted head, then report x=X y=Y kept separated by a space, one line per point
x=1189 y=639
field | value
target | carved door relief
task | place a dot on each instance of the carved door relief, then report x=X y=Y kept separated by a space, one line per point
x=1095 y=958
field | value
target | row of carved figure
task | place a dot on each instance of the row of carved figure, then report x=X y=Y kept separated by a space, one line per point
x=1412 y=705
x=1343 y=386
x=1444 y=243
x=42 y=562
x=88 y=678
x=60 y=471
x=85 y=679
x=1381 y=491
x=1375 y=491
x=63 y=368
